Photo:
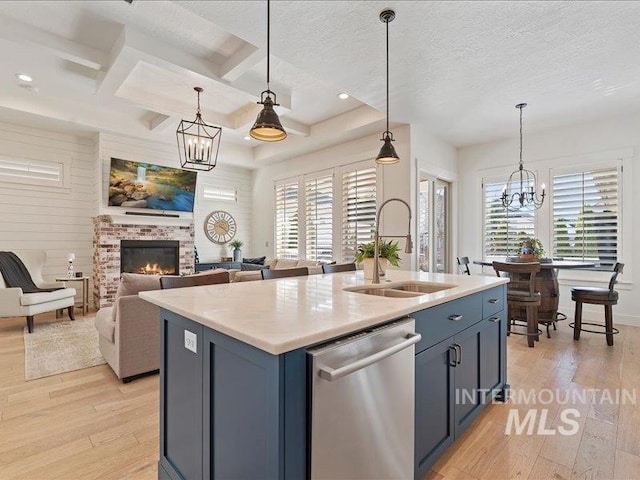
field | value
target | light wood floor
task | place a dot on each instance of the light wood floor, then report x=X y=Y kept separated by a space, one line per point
x=88 y=425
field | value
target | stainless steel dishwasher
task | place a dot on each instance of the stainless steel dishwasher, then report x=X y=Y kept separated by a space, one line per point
x=362 y=405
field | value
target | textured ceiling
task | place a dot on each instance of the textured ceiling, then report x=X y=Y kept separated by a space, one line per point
x=457 y=68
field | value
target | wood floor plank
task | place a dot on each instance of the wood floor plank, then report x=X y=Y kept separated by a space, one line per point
x=596 y=454
x=545 y=469
x=627 y=466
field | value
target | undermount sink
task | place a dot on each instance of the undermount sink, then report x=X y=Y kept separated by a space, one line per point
x=401 y=289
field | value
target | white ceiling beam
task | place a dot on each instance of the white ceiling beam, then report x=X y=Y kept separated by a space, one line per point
x=160 y=122
x=19 y=32
x=247 y=57
x=296 y=128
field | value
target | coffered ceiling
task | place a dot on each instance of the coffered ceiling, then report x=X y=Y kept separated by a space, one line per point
x=457 y=68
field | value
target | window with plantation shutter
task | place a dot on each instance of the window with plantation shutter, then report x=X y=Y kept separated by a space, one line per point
x=358 y=209
x=287 y=220
x=501 y=227
x=585 y=216
x=319 y=218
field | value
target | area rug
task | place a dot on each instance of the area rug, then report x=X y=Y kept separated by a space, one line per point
x=61 y=347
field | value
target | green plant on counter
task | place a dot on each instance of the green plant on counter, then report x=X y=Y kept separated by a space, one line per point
x=530 y=245
x=235 y=244
x=388 y=250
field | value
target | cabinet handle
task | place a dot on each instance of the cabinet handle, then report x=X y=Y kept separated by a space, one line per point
x=494 y=319
x=455 y=318
x=493 y=300
x=458 y=349
x=454 y=350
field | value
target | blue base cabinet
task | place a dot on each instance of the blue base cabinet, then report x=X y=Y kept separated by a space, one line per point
x=458 y=376
x=231 y=411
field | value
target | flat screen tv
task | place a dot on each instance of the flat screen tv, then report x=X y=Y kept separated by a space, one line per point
x=144 y=185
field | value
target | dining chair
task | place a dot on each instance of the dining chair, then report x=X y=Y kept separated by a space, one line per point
x=194 y=280
x=463 y=264
x=336 y=268
x=521 y=294
x=268 y=274
x=597 y=296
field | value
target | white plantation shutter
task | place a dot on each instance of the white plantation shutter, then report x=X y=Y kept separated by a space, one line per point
x=585 y=216
x=319 y=218
x=358 y=209
x=502 y=228
x=287 y=219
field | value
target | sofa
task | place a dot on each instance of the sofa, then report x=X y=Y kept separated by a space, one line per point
x=15 y=303
x=129 y=332
x=277 y=264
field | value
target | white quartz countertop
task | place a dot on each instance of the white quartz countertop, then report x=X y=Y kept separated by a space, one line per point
x=284 y=314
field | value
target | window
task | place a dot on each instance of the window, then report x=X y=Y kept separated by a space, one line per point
x=319 y=218
x=211 y=192
x=32 y=172
x=286 y=228
x=501 y=227
x=585 y=216
x=358 y=209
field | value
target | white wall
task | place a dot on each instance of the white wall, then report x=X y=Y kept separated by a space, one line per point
x=54 y=219
x=395 y=183
x=562 y=147
x=437 y=159
x=240 y=179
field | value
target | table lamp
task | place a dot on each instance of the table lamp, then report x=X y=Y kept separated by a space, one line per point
x=70 y=257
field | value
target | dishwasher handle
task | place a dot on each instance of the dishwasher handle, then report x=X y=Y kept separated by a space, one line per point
x=331 y=374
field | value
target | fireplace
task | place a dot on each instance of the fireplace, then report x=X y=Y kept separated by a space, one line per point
x=150 y=257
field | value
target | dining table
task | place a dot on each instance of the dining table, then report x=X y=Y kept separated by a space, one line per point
x=546 y=283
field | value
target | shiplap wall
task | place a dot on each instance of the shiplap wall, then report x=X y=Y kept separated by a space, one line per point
x=57 y=220
x=240 y=179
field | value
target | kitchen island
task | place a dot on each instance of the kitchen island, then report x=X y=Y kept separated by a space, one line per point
x=235 y=377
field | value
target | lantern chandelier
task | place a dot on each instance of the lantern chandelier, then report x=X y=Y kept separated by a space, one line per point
x=520 y=190
x=268 y=127
x=387 y=155
x=198 y=142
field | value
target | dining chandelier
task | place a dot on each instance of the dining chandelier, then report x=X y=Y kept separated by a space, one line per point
x=387 y=155
x=198 y=143
x=520 y=190
x=268 y=127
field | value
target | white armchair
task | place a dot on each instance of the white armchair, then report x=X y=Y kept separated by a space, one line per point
x=15 y=303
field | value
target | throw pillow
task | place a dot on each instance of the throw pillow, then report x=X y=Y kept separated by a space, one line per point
x=255 y=261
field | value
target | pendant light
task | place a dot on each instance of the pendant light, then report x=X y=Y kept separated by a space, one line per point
x=520 y=190
x=387 y=155
x=198 y=143
x=268 y=127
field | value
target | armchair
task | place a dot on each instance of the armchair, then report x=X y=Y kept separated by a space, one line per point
x=15 y=303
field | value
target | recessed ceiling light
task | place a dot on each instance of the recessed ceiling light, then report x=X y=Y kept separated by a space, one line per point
x=343 y=96
x=24 y=77
x=247 y=137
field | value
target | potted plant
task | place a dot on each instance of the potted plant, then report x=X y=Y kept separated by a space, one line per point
x=237 y=253
x=530 y=247
x=388 y=254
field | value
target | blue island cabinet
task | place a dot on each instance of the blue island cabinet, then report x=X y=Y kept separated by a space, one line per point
x=231 y=411
x=228 y=410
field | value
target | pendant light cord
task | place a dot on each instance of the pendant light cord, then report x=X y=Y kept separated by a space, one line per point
x=521 y=138
x=387 y=75
x=268 y=38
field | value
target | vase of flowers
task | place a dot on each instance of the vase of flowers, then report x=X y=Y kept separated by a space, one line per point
x=388 y=254
x=237 y=253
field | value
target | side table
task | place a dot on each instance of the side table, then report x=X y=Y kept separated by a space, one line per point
x=85 y=290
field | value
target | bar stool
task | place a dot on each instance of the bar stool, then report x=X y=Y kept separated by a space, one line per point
x=597 y=296
x=463 y=263
x=521 y=294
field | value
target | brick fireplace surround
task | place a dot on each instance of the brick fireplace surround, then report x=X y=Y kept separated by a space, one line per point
x=106 y=251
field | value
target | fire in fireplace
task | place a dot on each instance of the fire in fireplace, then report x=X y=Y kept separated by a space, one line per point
x=150 y=257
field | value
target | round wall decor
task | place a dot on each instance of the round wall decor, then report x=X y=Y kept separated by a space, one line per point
x=220 y=227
